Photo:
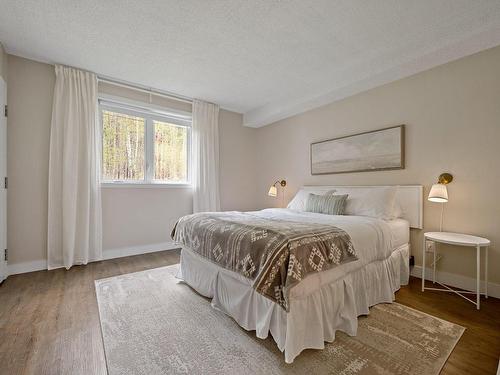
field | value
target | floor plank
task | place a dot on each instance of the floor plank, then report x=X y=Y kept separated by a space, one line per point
x=478 y=351
x=49 y=323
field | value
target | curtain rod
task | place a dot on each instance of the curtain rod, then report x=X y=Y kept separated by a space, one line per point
x=145 y=89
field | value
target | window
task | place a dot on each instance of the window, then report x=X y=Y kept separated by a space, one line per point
x=144 y=146
x=123 y=147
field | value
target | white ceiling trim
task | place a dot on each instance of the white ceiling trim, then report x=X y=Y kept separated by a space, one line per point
x=278 y=111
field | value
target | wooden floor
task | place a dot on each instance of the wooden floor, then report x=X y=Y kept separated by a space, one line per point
x=49 y=323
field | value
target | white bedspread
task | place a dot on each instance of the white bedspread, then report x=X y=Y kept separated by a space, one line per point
x=372 y=238
x=322 y=303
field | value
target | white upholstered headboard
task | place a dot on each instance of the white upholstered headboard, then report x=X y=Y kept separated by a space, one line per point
x=410 y=198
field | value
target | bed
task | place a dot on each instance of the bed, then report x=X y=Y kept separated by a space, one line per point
x=330 y=300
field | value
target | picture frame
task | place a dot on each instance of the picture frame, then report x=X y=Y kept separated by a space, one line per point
x=374 y=150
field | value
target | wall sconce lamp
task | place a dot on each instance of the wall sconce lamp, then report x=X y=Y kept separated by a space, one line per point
x=273 y=190
x=439 y=193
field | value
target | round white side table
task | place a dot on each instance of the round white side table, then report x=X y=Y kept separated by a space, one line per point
x=460 y=240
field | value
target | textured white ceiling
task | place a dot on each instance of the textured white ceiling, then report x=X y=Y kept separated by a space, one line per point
x=268 y=59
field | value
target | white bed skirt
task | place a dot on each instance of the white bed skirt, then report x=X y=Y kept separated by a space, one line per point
x=313 y=318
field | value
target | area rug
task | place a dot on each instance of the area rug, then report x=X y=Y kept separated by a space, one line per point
x=153 y=324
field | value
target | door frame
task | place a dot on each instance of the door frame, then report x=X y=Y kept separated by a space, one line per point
x=3 y=188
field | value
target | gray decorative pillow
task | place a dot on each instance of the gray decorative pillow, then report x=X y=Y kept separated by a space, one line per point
x=326 y=204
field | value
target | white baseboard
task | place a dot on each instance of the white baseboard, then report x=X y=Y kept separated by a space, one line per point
x=38 y=265
x=137 y=250
x=458 y=281
x=24 y=267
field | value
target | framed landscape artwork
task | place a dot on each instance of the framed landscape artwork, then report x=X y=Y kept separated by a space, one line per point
x=375 y=150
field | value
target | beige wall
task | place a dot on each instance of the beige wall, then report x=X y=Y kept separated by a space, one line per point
x=141 y=216
x=131 y=216
x=29 y=91
x=3 y=63
x=452 y=117
x=238 y=163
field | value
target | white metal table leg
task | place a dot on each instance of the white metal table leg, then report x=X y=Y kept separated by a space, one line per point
x=461 y=240
x=423 y=265
x=478 y=275
x=486 y=273
x=434 y=264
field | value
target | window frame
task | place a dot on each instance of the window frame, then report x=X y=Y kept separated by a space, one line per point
x=150 y=114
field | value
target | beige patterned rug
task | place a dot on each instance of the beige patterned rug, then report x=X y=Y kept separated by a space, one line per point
x=152 y=324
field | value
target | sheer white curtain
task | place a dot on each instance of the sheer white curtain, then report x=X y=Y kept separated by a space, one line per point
x=74 y=218
x=205 y=152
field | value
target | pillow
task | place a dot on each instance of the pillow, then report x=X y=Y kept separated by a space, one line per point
x=398 y=209
x=376 y=202
x=326 y=204
x=298 y=202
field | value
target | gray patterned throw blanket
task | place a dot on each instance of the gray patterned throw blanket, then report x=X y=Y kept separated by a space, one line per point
x=276 y=254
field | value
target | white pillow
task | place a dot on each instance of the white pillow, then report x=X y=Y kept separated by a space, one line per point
x=398 y=209
x=379 y=202
x=298 y=202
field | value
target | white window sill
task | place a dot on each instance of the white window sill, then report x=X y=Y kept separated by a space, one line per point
x=144 y=185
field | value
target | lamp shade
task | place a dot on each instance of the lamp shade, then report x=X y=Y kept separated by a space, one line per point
x=273 y=191
x=438 y=193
